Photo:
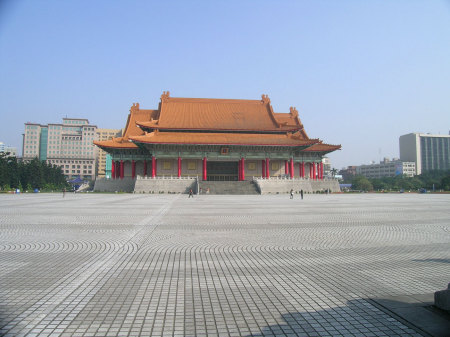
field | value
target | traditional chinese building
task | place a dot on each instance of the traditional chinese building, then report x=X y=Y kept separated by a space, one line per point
x=216 y=140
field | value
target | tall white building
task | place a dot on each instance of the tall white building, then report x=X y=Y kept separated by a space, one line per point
x=427 y=151
x=387 y=168
x=68 y=145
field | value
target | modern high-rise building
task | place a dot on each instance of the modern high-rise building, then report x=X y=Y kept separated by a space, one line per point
x=103 y=160
x=427 y=151
x=68 y=145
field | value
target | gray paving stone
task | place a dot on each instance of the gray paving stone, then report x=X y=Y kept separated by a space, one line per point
x=166 y=265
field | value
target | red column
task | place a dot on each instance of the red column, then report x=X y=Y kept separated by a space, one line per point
x=179 y=167
x=113 y=169
x=303 y=169
x=286 y=167
x=153 y=167
x=292 y=168
x=204 y=169
x=267 y=168
x=145 y=168
x=133 y=169
x=321 y=170
x=121 y=169
x=263 y=168
x=243 y=169
x=314 y=171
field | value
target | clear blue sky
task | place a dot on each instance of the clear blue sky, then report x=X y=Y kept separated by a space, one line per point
x=361 y=73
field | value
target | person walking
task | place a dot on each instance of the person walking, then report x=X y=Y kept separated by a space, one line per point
x=64 y=192
x=292 y=193
x=301 y=194
x=191 y=193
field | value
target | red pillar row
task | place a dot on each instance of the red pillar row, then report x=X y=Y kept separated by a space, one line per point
x=314 y=171
x=292 y=168
x=113 y=169
x=153 y=167
x=204 y=169
x=121 y=169
x=242 y=169
x=267 y=168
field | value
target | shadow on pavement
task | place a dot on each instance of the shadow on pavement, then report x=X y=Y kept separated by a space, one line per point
x=433 y=260
x=386 y=317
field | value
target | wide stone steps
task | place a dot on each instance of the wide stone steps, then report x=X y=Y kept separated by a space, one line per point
x=228 y=187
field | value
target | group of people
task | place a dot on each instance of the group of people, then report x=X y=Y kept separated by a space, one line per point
x=292 y=193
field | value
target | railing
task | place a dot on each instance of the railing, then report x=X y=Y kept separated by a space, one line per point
x=167 y=178
x=288 y=178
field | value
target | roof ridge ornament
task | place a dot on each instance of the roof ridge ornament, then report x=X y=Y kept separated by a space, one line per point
x=165 y=96
x=265 y=99
x=293 y=111
x=134 y=107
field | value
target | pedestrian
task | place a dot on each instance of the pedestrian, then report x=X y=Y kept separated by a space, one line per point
x=191 y=193
x=64 y=192
x=292 y=193
x=301 y=194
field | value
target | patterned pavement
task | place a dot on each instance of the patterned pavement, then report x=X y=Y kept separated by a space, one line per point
x=166 y=265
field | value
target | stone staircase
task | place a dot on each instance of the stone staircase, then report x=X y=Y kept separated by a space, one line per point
x=228 y=187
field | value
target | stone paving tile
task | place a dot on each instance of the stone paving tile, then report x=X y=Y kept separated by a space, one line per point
x=166 y=265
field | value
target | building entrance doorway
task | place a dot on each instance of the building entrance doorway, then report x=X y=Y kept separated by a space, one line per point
x=222 y=170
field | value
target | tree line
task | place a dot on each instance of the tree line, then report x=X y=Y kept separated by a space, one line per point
x=29 y=175
x=430 y=180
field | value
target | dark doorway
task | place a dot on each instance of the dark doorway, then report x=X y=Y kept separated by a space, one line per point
x=222 y=170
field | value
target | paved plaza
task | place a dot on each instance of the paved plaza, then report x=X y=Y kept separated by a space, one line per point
x=166 y=265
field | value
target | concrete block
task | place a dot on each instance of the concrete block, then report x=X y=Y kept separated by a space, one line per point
x=442 y=299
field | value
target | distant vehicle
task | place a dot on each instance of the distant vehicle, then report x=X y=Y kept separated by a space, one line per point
x=422 y=190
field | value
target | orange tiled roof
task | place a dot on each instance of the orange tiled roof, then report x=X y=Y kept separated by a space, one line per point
x=131 y=129
x=216 y=114
x=320 y=147
x=159 y=137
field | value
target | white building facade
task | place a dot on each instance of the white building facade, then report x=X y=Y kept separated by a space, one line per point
x=387 y=168
x=68 y=145
x=427 y=151
x=10 y=150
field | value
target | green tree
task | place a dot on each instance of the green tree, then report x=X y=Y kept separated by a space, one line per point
x=445 y=183
x=361 y=183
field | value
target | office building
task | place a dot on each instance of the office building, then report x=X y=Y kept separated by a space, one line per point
x=387 y=168
x=68 y=145
x=427 y=151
